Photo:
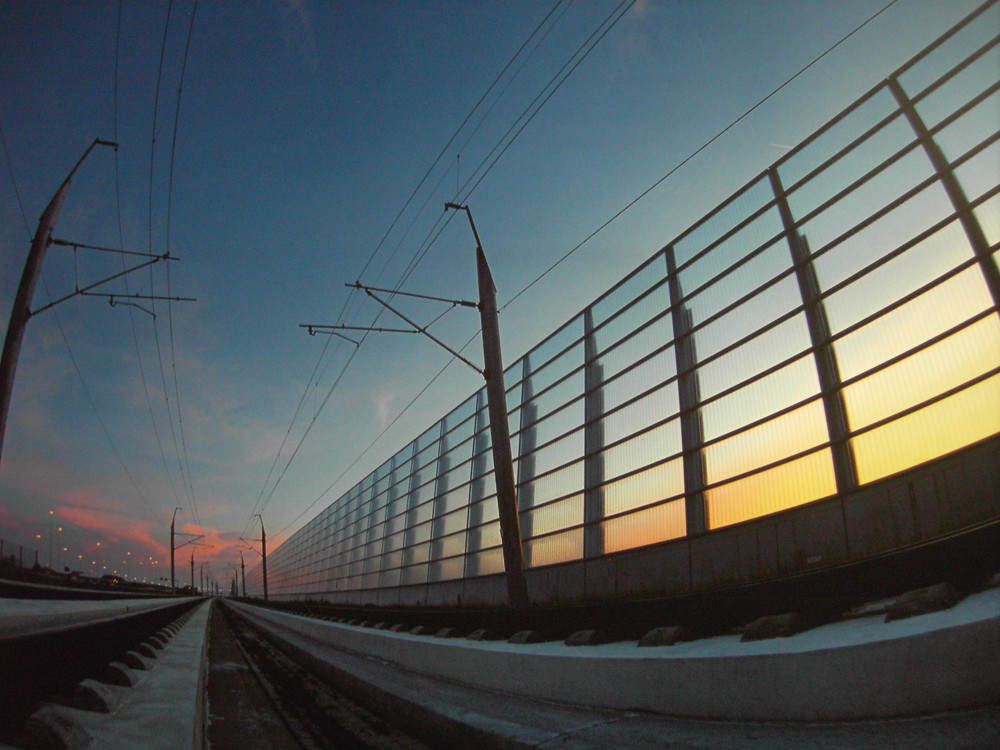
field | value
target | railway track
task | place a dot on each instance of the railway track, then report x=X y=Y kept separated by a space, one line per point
x=293 y=707
x=82 y=658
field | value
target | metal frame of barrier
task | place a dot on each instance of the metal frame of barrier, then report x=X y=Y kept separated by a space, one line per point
x=830 y=327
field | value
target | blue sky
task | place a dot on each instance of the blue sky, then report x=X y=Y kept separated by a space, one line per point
x=302 y=130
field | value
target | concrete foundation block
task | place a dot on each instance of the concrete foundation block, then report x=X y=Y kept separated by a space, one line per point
x=921 y=601
x=117 y=673
x=51 y=729
x=134 y=660
x=664 y=636
x=775 y=626
x=485 y=634
x=587 y=638
x=91 y=695
x=526 y=636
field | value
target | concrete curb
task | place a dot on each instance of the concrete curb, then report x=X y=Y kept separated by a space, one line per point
x=932 y=663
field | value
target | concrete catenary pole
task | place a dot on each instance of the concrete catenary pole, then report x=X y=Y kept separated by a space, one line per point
x=173 y=584
x=263 y=553
x=496 y=397
x=21 y=311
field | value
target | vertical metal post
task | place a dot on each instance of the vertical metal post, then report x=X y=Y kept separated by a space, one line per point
x=510 y=532
x=689 y=398
x=973 y=230
x=410 y=514
x=21 y=310
x=593 y=442
x=441 y=465
x=192 y=570
x=243 y=574
x=844 y=469
x=526 y=457
x=477 y=489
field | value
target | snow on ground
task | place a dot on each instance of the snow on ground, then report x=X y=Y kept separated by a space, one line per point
x=983 y=605
x=23 y=616
x=161 y=711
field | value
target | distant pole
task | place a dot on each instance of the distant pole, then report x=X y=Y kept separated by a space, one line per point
x=263 y=553
x=173 y=586
x=21 y=310
x=243 y=575
x=496 y=397
x=192 y=570
x=51 y=513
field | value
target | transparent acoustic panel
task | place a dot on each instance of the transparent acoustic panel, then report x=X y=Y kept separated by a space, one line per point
x=723 y=220
x=791 y=433
x=553 y=350
x=452 y=545
x=488 y=536
x=457 y=497
x=555 y=548
x=639 y=415
x=659 y=523
x=419 y=533
x=979 y=174
x=547 y=375
x=652 y=272
x=835 y=138
x=453 y=522
x=759 y=232
x=448 y=569
x=419 y=553
x=746 y=319
x=556 y=423
x=779 y=488
x=854 y=165
x=558 y=453
x=650 y=485
x=487 y=562
x=947 y=425
x=971 y=129
x=555 y=484
x=953 y=51
x=865 y=200
x=960 y=88
x=988 y=216
x=643 y=450
x=937 y=310
x=557 y=515
x=739 y=282
x=643 y=377
x=413 y=574
x=767 y=349
x=634 y=347
x=760 y=398
x=868 y=247
x=948 y=364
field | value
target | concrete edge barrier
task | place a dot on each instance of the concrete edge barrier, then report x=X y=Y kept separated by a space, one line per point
x=934 y=664
x=46 y=623
x=51 y=729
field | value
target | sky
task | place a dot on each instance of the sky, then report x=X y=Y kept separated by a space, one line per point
x=281 y=150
